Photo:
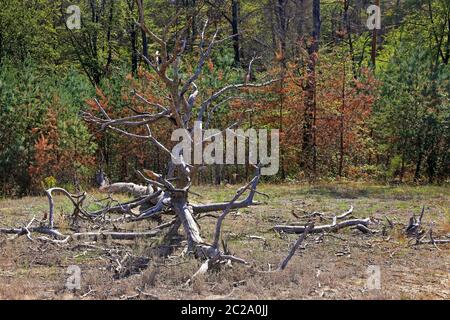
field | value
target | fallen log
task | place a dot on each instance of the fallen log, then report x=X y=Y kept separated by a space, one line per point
x=323 y=228
x=95 y=236
x=60 y=238
x=436 y=241
x=28 y=230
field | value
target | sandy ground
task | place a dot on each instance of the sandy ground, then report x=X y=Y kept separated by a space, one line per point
x=333 y=266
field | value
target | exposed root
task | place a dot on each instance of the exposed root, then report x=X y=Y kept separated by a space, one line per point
x=414 y=226
x=416 y=230
x=165 y=199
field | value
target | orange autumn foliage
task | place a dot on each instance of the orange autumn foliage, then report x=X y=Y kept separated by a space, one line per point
x=343 y=106
x=53 y=159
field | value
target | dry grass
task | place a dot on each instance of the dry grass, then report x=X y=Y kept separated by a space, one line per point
x=333 y=269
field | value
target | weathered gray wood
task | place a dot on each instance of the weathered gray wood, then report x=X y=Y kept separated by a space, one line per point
x=130 y=188
x=95 y=236
x=297 y=244
x=185 y=214
x=322 y=228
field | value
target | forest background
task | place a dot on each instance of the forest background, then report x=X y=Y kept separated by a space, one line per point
x=352 y=103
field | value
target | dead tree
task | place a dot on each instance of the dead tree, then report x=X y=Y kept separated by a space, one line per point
x=166 y=194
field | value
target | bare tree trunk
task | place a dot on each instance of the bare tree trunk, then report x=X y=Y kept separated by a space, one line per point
x=133 y=41
x=341 y=124
x=235 y=8
x=108 y=37
x=94 y=39
x=190 y=226
x=309 y=148
x=348 y=32
x=282 y=26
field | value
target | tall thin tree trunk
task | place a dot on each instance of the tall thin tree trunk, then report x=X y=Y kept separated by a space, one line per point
x=282 y=33
x=133 y=41
x=283 y=171
x=108 y=36
x=341 y=125
x=94 y=43
x=348 y=32
x=309 y=148
x=235 y=8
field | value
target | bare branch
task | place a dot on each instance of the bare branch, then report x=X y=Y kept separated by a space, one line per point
x=204 y=55
x=222 y=91
x=222 y=217
x=235 y=205
x=297 y=244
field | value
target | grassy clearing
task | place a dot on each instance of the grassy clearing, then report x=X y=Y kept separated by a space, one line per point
x=330 y=268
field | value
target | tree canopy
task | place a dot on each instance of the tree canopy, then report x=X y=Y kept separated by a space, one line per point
x=352 y=103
